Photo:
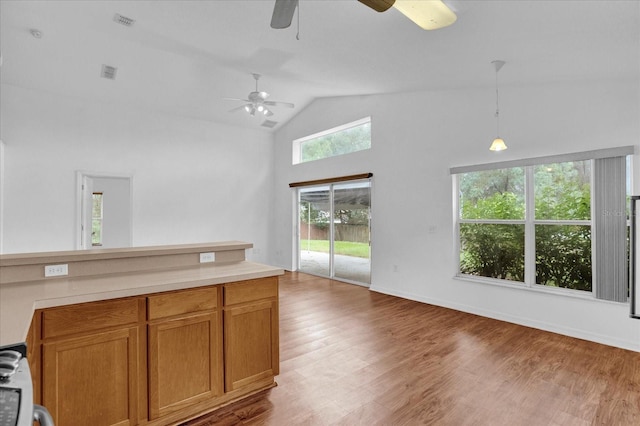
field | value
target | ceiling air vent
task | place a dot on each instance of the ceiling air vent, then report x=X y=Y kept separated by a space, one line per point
x=123 y=20
x=108 y=72
x=269 y=123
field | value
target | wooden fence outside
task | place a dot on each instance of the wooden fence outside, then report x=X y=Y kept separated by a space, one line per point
x=355 y=233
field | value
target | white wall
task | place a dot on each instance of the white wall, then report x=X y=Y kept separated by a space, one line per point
x=193 y=181
x=197 y=181
x=1 y=191
x=416 y=138
x=116 y=210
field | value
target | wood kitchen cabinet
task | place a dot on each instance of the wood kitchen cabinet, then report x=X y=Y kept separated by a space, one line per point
x=90 y=368
x=251 y=339
x=155 y=359
x=185 y=349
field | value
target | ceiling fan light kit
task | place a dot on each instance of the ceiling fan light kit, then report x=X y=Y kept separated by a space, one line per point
x=257 y=102
x=427 y=14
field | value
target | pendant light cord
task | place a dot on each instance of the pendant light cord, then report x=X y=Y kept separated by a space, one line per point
x=298 y=33
x=497 y=108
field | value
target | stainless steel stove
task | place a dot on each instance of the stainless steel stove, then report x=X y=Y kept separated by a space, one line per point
x=16 y=390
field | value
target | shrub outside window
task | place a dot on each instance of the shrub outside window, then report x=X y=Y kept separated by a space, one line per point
x=492 y=213
x=563 y=225
x=495 y=224
x=548 y=222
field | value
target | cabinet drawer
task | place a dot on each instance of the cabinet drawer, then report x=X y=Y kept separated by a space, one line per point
x=86 y=317
x=247 y=291
x=182 y=302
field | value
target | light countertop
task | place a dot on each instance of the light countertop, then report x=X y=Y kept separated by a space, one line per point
x=19 y=300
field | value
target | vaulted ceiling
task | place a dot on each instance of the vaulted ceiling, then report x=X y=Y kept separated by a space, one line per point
x=184 y=57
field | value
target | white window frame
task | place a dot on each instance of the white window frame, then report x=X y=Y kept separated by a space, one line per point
x=530 y=222
x=297 y=144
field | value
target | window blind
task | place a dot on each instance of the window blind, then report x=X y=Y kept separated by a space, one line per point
x=610 y=222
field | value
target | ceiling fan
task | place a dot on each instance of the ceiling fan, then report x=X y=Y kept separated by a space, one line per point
x=428 y=14
x=257 y=102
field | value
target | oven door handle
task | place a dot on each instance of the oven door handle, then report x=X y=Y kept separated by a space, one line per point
x=42 y=416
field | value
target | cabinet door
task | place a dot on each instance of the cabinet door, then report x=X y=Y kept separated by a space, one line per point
x=185 y=365
x=92 y=380
x=250 y=343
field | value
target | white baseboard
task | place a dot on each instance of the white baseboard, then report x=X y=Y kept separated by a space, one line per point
x=527 y=322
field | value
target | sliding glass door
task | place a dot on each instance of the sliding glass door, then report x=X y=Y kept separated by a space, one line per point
x=314 y=242
x=334 y=231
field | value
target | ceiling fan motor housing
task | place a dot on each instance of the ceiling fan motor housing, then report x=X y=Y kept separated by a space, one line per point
x=258 y=96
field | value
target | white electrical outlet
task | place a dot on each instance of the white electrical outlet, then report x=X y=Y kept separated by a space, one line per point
x=56 y=270
x=207 y=257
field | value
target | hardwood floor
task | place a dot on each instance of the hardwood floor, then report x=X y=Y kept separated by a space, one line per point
x=354 y=357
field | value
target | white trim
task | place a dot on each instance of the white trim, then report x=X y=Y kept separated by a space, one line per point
x=456 y=222
x=632 y=345
x=494 y=221
x=2 y=155
x=529 y=228
x=560 y=158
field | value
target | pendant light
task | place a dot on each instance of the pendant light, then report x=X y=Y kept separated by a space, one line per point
x=497 y=144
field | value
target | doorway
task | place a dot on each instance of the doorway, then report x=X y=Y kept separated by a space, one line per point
x=105 y=204
x=334 y=231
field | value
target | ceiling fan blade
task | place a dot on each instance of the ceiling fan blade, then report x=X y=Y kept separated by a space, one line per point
x=378 y=5
x=276 y=103
x=236 y=99
x=237 y=108
x=428 y=15
x=283 y=13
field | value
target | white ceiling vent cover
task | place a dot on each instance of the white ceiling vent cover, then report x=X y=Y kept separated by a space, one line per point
x=108 y=72
x=269 y=123
x=123 y=20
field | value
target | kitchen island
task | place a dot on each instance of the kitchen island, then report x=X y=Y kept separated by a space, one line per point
x=145 y=335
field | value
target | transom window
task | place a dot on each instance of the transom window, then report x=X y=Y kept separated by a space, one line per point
x=345 y=139
x=534 y=222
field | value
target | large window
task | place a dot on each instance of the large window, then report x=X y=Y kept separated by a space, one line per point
x=345 y=139
x=554 y=222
